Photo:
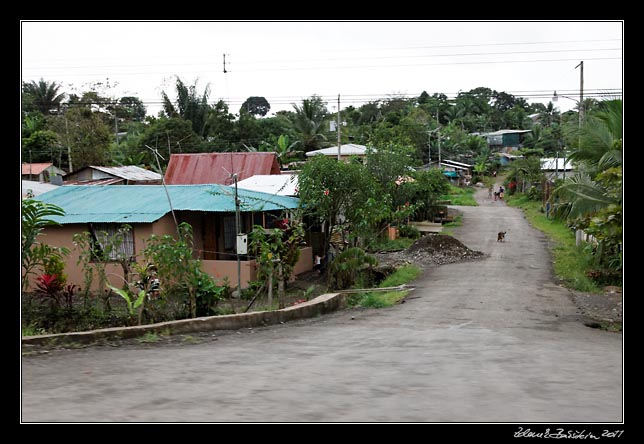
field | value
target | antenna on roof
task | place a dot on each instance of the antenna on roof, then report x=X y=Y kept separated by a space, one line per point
x=156 y=154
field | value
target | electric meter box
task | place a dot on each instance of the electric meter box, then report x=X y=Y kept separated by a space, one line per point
x=242 y=244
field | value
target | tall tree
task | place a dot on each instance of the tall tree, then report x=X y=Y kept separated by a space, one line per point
x=130 y=108
x=86 y=135
x=257 y=106
x=329 y=189
x=44 y=96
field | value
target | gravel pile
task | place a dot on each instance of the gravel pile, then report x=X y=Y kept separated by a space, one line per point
x=432 y=249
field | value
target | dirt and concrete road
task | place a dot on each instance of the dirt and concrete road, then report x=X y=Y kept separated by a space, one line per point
x=491 y=340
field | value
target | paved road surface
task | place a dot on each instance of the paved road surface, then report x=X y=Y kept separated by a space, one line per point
x=493 y=340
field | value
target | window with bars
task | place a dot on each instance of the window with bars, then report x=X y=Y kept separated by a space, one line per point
x=112 y=242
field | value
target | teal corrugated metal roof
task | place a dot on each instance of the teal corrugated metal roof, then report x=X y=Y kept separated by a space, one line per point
x=147 y=203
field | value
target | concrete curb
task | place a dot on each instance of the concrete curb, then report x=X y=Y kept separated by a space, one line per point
x=322 y=304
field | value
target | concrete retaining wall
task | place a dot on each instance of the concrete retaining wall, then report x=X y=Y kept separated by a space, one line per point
x=325 y=303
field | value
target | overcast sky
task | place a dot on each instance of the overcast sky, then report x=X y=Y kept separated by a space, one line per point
x=362 y=61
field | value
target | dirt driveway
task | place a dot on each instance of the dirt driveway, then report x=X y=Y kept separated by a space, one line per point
x=490 y=340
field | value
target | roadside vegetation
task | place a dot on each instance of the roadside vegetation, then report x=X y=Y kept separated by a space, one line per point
x=570 y=262
x=460 y=196
x=402 y=275
x=589 y=200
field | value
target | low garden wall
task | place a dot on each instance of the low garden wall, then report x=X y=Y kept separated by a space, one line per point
x=322 y=304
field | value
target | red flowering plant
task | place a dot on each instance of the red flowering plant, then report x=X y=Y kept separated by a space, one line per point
x=48 y=286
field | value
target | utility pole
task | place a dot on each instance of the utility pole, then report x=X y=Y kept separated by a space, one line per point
x=116 y=128
x=438 y=132
x=429 y=149
x=69 y=149
x=339 y=127
x=237 y=219
x=581 y=93
x=440 y=167
x=557 y=166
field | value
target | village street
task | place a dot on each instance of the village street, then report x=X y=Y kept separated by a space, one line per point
x=490 y=340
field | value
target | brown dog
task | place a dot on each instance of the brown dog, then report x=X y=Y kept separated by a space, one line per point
x=501 y=236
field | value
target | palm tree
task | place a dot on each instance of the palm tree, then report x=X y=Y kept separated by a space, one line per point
x=309 y=120
x=593 y=197
x=455 y=112
x=43 y=95
x=189 y=106
x=600 y=139
x=548 y=116
x=580 y=196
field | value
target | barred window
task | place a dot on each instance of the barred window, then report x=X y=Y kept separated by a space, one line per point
x=107 y=245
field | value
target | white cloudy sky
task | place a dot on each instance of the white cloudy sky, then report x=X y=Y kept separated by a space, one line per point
x=361 y=61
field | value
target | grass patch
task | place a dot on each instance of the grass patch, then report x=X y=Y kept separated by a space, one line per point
x=30 y=330
x=460 y=196
x=570 y=262
x=457 y=222
x=190 y=339
x=382 y=300
x=611 y=326
x=402 y=275
x=385 y=244
x=149 y=337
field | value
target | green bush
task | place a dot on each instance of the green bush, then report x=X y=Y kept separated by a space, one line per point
x=409 y=231
x=347 y=268
x=534 y=193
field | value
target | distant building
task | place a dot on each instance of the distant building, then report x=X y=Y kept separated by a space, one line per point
x=346 y=151
x=41 y=172
x=555 y=168
x=458 y=172
x=506 y=158
x=117 y=175
x=505 y=140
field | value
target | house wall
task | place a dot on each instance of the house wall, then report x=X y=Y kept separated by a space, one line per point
x=62 y=236
x=228 y=269
x=305 y=262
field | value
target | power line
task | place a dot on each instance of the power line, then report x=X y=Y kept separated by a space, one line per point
x=295 y=60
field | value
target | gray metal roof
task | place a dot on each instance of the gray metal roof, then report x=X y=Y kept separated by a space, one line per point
x=129 y=172
x=349 y=149
x=36 y=188
x=504 y=131
x=554 y=164
x=453 y=162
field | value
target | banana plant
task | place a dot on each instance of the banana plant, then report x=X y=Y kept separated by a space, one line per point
x=131 y=306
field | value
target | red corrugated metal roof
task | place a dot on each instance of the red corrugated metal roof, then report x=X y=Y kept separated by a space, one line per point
x=216 y=168
x=35 y=168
